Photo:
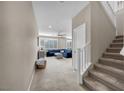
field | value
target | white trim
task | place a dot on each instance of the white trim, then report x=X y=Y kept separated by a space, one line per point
x=122 y=51
x=32 y=76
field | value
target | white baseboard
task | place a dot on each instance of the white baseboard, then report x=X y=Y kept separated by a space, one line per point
x=31 y=79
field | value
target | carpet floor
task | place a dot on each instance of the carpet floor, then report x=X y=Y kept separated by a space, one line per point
x=57 y=76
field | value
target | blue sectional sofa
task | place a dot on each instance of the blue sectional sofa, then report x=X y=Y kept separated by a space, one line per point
x=52 y=52
x=67 y=53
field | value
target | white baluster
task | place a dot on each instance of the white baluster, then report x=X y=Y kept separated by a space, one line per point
x=79 y=67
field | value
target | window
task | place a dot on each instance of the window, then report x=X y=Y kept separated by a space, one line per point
x=48 y=43
x=69 y=44
x=41 y=43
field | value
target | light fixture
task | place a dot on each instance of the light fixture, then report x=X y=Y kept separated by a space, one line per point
x=49 y=26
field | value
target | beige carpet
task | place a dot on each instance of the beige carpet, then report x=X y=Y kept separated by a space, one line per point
x=58 y=76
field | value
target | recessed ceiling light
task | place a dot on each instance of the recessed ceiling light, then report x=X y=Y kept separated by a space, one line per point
x=49 y=26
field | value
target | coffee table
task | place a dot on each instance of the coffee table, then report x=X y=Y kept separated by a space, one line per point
x=58 y=55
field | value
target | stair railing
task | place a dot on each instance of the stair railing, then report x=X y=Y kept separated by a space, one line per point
x=120 y=5
x=116 y=6
x=84 y=56
x=109 y=11
x=112 y=7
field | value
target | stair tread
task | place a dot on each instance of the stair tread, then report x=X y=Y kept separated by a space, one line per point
x=119 y=36
x=117 y=43
x=108 y=78
x=111 y=53
x=95 y=84
x=114 y=48
x=119 y=39
x=113 y=60
x=108 y=73
x=111 y=68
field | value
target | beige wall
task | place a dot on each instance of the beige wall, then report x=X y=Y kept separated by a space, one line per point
x=120 y=22
x=102 y=31
x=83 y=17
x=17 y=45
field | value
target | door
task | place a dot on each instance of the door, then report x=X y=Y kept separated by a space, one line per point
x=79 y=40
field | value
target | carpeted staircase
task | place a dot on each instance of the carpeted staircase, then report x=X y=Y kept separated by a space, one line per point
x=108 y=73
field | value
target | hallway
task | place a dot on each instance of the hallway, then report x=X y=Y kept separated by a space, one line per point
x=57 y=76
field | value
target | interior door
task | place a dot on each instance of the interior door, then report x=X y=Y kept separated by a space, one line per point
x=79 y=40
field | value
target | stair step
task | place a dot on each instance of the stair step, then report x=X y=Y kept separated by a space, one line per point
x=120 y=36
x=112 y=62
x=108 y=73
x=118 y=41
x=117 y=45
x=114 y=50
x=107 y=80
x=118 y=73
x=95 y=85
x=113 y=55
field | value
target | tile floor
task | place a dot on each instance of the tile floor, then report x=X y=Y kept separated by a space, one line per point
x=57 y=76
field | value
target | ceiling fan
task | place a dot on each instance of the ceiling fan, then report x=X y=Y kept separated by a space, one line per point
x=61 y=33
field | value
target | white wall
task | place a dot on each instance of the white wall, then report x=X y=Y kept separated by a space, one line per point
x=83 y=17
x=17 y=45
x=120 y=22
x=102 y=31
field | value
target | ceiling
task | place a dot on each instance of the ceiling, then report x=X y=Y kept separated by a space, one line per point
x=55 y=17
